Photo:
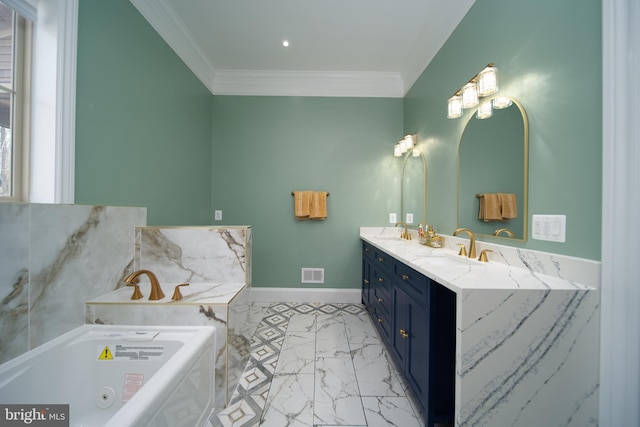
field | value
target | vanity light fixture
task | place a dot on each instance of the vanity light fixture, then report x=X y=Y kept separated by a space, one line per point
x=455 y=107
x=483 y=84
x=405 y=144
x=470 y=95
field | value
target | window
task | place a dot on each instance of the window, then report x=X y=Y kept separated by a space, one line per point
x=14 y=50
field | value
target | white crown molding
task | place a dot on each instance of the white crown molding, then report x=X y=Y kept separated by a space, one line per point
x=162 y=17
x=308 y=83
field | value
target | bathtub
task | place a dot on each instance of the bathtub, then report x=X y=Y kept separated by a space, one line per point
x=119 y=375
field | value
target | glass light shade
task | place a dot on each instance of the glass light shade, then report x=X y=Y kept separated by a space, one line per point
x=469 y=95
x=397 y=150
x=488 y=81
x=484 y=111
x=501 y=102
x=409 y=142
x=454 y=107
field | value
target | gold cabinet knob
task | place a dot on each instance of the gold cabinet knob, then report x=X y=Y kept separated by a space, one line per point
x=366 y=281
x=380 y=259
x=379 y=320
x=380 y=279
x=404 y=334
x=405 y=277
x=380 y=300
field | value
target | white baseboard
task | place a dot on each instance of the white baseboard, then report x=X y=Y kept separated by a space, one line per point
x=320 y=295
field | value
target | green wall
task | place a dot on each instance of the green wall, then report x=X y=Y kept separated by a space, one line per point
x=143 y=120
x=150 y=134
x=549 y=56
x=266 y=147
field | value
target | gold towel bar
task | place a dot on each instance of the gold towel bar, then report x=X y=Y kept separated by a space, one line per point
x=293 y=193
x=479 y=196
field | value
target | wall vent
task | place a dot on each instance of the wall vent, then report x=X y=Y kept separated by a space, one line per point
x=312 y=275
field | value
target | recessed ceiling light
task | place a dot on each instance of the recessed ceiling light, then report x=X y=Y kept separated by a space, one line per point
x=285 y=43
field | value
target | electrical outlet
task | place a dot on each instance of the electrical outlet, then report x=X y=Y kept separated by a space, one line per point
x=393 y=218
x=549 y=227
x=217 y=215
x=409 y=219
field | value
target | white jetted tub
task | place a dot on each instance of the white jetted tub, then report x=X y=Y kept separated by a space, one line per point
x=119 y=375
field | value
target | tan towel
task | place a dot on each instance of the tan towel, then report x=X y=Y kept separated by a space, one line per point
x=318 y=209
x=490 y=208
x=302 y=204
x=508 y=205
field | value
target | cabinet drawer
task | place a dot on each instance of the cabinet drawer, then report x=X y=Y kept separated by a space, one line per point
x=411 y=281
x=368 y=250
x=382 y=298
x=382 y=260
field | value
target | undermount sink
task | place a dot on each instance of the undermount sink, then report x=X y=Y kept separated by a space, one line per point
x=446 y=259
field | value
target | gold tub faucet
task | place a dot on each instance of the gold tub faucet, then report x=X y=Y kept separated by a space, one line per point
x=472 y=240
x=156 y=290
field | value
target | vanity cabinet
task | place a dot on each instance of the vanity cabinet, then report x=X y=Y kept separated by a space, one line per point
x=416 y=319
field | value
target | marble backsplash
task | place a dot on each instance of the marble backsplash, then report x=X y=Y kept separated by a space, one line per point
x=53 y=258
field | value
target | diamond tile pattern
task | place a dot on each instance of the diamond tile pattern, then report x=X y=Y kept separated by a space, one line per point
x=318 y=365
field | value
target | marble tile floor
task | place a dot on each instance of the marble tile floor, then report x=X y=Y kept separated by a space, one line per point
x=318 y=365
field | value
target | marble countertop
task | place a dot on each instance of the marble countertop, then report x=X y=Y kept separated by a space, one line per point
x=461 y=274
x=195 y=293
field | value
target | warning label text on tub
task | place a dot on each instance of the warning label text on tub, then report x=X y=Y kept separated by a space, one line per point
x=131 y=352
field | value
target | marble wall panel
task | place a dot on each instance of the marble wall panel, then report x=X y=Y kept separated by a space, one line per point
x=14 y=280
x=66 y=254
x=518 y=359
x=195 y=254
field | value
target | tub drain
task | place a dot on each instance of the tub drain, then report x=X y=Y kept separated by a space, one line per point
x=105 y=398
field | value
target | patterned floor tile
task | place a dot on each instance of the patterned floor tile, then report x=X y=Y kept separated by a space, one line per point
x=335 y=331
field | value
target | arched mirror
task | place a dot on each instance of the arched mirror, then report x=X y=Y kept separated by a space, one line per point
x=493 y=173
x=414 y=188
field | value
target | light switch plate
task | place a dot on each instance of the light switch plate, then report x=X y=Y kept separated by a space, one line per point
x=549 y=227
x=217 y=215
x=393 y=218
x=409 y=219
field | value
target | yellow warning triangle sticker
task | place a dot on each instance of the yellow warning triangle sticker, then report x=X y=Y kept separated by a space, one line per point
x=105 y=354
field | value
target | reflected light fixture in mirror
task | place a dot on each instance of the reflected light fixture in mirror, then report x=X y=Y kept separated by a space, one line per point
x=483 y=84
x=484 y=111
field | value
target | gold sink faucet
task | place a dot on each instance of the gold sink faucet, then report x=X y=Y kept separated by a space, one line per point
x=156 y=291
x=503 y=230
x=472 y=240
x=405 y=234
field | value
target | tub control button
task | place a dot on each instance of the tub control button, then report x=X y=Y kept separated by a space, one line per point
x=105 y=398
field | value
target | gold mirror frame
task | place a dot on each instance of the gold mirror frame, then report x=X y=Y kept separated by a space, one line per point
x=424 y=188
x=524 y=211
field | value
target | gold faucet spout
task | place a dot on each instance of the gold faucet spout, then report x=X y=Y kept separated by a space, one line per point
x=156 y=290
x=472 y=240
x=405 y=234
x=505 y=231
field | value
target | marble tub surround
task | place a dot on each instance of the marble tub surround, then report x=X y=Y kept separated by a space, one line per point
x=225 y=306
x=527 y=330
x=195 y=254
x=52 y=259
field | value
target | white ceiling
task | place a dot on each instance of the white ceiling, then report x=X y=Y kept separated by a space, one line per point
x=374 y=48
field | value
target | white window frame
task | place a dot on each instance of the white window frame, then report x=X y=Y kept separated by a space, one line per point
x=52 y=149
